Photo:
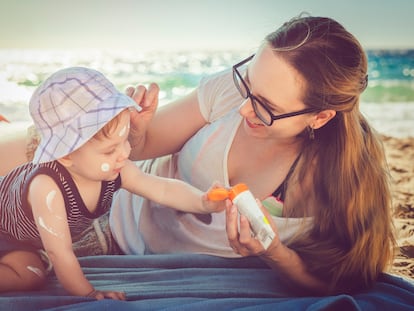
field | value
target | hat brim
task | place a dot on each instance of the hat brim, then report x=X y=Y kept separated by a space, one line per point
x=72 y=137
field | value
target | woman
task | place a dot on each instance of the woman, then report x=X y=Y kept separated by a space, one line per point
x=286 y=122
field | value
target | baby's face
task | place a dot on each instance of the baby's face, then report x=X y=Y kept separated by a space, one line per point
x=103 y=158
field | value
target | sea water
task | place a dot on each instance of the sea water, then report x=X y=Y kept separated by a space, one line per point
x=388 y=102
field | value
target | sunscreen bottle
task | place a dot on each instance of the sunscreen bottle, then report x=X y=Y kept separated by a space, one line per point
x=241 y=196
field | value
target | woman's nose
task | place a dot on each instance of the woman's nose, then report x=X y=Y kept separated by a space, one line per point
x=246 y=108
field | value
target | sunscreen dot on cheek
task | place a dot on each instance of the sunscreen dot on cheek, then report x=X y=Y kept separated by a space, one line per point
x=105 y=167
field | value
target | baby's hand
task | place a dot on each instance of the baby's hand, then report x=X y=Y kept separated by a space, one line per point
x=102 y=294
x=214 y=204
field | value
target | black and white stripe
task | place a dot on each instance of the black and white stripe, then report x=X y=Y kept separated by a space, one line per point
x=16 y=218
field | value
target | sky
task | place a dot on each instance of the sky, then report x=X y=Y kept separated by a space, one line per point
x=190 y=24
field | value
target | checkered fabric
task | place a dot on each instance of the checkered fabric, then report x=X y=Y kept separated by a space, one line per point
x=70 y=107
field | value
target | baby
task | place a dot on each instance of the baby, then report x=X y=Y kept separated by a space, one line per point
x=82 y=159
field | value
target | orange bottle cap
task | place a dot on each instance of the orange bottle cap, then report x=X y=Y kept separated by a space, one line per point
x=3 y=119
x=236 y=190
x=218 y=194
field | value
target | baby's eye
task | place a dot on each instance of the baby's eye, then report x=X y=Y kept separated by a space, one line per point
x=110 y=152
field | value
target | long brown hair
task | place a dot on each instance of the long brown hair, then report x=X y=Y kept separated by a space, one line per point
x=352 y=240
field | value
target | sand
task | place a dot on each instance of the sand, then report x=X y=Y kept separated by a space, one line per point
x=400 y=157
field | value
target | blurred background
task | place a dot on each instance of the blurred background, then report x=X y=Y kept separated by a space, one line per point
x=177 y=42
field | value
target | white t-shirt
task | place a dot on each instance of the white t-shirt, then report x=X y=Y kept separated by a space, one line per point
x=141 y=226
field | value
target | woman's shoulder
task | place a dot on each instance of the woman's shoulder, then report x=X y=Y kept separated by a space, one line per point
x=217 y=95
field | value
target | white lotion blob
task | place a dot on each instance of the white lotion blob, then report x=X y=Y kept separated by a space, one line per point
x=122 y=131
x=49 y=198
x=35 y=270
x=105 y=167
x=44 y=226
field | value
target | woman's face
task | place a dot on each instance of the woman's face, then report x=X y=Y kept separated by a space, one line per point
x=278 y=86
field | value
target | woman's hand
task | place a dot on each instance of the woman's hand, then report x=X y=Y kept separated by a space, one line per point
x=277 y=256
x=147 y=99
x=241 y=237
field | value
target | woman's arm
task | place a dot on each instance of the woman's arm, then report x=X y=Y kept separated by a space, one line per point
x=164 y=132
x=12 y=149
x=152 y=134
x=289 y=264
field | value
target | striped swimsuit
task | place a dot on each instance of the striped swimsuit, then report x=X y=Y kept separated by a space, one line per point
x=16 y=219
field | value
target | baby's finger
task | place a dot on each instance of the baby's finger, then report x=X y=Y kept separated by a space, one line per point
x=115 y=295
x=99 y=295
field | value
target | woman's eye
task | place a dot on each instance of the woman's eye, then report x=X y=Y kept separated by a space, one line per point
x=275 y=111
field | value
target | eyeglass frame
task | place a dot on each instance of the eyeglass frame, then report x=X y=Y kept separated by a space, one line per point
x=254 y=100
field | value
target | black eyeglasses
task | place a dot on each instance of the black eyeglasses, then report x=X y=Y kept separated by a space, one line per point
x=260 y=109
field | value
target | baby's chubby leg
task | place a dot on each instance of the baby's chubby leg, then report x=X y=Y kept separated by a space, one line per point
x=21 y=270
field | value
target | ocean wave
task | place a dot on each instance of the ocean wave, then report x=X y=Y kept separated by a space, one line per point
x=389 y=91
x=391 y=74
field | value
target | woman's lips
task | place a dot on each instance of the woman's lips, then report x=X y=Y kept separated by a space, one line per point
x=252 y=125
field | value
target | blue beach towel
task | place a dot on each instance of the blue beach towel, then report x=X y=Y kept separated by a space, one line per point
x=200 y=282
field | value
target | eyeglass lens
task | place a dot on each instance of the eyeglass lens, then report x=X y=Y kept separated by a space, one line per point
x=258 y=107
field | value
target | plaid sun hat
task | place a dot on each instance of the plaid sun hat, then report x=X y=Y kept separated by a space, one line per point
x=70 y=107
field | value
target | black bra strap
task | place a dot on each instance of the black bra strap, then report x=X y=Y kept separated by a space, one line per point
x=280 y=191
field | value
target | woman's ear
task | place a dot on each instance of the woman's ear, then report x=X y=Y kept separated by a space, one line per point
x=322 y=118
x=66 y=161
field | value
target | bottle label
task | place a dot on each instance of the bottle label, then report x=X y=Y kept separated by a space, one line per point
x=248 y=207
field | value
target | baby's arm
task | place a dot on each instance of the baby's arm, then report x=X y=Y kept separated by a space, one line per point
x=168 y=191
x=50 y=216
x=49 y=213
